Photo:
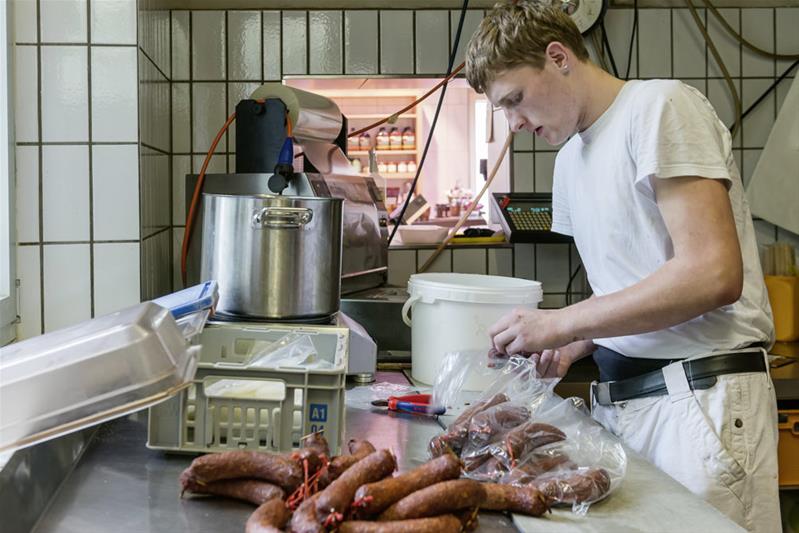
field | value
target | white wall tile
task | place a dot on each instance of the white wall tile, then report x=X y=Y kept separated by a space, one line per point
x=470 y=23
x=25 y=21
x=522 y=141
x=115 y=177
x=401 y=265
x=719 y=95
x=654 y=43
x=757 y=124
x=181 y=165
x=325 y=41
x=244 y=45
x=208 y=114
x=544 y=170
x=750 y=159
x=236 y=93
x=619 y=24
x=765 y=232
x=442 y=263
x=698 y=84
x=115 y=113
x=217 y=164
x=500 y=261
x=156 y=265
x=294 y=42
x=177 y=245
x=726 y=45
x=469 y=261
x=161 y=29
x=29 y=291
x=272 y=45
x=689 y=47
x=758 y=28
x=360 y=42
x=787 y=20
x=524 y=261
x=432 y=44
x=116 y=277
x=113 y=21
x=63 y=21
x=396 y=42
x=208 y=45
x=181 y=118
x=65 y=93
x=552 y=266
x=27 y=187
x=523 y=180
x=65 y=193
x=553 y=301
x=26 y=85
x=180 y=45
x=67 y=285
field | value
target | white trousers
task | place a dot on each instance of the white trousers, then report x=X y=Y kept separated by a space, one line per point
x=720 y=443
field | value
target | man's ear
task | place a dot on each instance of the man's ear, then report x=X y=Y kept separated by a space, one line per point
x=558 y=54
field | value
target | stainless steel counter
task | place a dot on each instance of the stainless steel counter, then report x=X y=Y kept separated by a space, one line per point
x=121 y=486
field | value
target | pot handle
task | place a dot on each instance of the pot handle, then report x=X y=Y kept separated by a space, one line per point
x=407 y=307
x=281 y=217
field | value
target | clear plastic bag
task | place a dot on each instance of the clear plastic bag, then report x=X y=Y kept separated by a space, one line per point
x=362 y=397
x=292 y=350
x=520 y=432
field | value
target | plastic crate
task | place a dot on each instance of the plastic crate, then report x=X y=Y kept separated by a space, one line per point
x=788 y=448
x=232 y=404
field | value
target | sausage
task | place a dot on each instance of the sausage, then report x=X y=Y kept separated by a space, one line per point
x=317 y=442
x=441 y=498
x=521 y=440
x=336 y=498
x=270 y=517
x=525 y=500
x=574 y=486
x=374 y=498
x=457 y=432
x=250 y=490
x=277 y=469
x=438 y=524
x=497 y=420
x=360 y=448
x=542 y=463
x=305 y=518
x=337 y=466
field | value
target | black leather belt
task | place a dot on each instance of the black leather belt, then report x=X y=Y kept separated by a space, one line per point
x=701 y=374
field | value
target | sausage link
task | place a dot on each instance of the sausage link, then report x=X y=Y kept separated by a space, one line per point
x=305 y=519
x=317 y=442
x=497 y=420
x=336 y=498
x=457 y=432
x=575 y=486
x=270 y=517
x=441 y=498
x=374 y=498
x=525 y=500
x=520 y=441
x=337 y=466
x=274 y=468
x=438 y=524
x=360 y=448
x=249 y=490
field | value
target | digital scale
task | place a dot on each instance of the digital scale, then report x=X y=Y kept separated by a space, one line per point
x=527 y=217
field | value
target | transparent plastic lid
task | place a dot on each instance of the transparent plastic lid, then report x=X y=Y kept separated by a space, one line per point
x=91 y=372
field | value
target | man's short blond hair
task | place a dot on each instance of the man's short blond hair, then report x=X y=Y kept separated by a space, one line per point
x=517 y=33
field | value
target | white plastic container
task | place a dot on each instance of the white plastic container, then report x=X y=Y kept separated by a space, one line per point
x=452 y=312
x=422 y=234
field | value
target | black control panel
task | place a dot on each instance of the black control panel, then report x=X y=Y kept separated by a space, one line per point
x=527 y=217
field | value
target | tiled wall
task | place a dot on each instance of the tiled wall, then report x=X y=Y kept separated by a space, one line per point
x=218 y=56
x=77 y=179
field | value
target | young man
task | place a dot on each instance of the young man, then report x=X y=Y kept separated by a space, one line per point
x=648 y=187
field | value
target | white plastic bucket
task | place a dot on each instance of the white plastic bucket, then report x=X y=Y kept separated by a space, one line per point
x=452 y=312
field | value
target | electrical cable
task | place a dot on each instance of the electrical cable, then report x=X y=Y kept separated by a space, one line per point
x=433 y=124
x=632 y=39
x=766 y=92
x=606 y=46
x=569 y=284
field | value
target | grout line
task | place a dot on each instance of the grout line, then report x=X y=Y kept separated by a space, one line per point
x=226 y=56
x=41 y=160
x=78 y=143
x=170 y=167
x=98 y=45
x=307 y=42
x=262 y=58
x=140 y=171
x=145 y=54
x=92 y=295
x=379 y=49
x=413 y=44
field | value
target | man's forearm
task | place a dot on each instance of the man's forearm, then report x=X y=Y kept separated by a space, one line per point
x=672 y=295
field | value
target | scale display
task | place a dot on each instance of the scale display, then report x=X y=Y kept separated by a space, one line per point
x=527 y=217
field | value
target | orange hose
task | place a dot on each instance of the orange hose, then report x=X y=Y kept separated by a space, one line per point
x=411 y=105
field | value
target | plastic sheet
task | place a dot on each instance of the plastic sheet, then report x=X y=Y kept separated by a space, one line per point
x=292 y=350
x=520 y=432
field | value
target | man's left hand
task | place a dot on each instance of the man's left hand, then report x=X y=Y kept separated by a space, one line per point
x=528 y=331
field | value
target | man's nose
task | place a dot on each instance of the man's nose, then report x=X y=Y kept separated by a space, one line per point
x=516 y=122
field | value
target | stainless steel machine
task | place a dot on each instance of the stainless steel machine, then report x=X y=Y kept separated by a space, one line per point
x=284 y=245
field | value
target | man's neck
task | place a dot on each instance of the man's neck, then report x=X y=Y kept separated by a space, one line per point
x=599 y=90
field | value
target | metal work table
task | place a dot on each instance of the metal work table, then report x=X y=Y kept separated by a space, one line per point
x=120 y=485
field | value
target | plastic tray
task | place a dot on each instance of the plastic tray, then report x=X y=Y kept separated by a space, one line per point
x=191 y=300
x=235 y=402
x=89 y=373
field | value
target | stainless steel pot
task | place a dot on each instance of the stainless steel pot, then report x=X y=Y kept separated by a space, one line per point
x=274 y=257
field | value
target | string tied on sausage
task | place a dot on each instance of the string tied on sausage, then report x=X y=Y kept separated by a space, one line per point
x=333 y=519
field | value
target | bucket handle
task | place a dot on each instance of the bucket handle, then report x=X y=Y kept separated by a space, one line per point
x=407 y=307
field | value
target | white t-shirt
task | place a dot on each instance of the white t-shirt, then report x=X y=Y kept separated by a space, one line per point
x=603 y=197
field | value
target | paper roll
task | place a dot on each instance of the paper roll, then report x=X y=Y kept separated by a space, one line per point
x=327 y=158
x=313 y=117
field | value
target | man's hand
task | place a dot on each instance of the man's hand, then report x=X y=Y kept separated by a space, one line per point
x=527 y=331
x=555 y=363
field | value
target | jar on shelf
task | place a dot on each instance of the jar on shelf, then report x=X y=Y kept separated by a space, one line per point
x=353 y=143
x=408 y=139
x=381 y=167
x=364 y=141
x=357 y=165
x=382 y=140
x=395 y=139
x=402 y=167
x=411 y=166
x=442 y=210
x=391 y=167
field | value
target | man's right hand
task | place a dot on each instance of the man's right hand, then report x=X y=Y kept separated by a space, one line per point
x=555 y=363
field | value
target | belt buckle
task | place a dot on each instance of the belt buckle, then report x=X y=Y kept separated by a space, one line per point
x=600 y=392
